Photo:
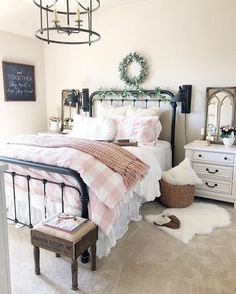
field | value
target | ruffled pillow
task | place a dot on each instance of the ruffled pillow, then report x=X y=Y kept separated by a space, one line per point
x=182 y=174
x=93 y=128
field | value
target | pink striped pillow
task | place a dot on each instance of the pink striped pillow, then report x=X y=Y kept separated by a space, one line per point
x=144 y=130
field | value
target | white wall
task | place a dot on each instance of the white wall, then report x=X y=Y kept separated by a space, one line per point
x=184 y=42
x=22 y=117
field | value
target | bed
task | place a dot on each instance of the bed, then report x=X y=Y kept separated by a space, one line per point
x=52 y=184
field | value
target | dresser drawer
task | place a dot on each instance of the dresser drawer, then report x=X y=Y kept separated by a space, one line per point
x=216 y=186
x=213 y=157
x=213 y=171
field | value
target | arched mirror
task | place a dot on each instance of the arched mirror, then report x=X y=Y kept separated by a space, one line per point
x=220 y=110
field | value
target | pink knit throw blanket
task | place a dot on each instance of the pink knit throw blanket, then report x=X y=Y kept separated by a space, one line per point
x=131 y=168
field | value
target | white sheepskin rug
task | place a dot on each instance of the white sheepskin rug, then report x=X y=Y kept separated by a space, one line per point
x=198 y=218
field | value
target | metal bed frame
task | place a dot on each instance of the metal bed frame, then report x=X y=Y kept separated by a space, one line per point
x=150 y=93
x=83 y=192
x=82 y=188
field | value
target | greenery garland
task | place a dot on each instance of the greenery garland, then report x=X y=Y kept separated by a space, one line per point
x=133 y=93
x=123 y=69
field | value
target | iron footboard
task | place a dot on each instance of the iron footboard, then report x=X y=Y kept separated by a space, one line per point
x=81 y=189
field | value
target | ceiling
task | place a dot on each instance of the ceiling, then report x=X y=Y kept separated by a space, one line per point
x=23 y=19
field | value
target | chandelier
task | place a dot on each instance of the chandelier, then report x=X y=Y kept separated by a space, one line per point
x=67 y=21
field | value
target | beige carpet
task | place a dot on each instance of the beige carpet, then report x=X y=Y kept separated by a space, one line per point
x=145 y=261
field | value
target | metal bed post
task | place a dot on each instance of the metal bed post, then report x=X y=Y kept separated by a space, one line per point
x=173 y=123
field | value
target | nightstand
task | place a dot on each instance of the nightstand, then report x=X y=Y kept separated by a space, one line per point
x=216 y=166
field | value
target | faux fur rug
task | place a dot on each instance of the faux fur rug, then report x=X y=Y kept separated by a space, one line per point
x=198 y=218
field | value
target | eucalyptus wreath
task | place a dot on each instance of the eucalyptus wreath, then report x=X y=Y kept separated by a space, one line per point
x=123 y=69
x=133 y=81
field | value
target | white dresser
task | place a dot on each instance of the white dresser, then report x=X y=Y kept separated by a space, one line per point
x=4 y=252
x=216 y=166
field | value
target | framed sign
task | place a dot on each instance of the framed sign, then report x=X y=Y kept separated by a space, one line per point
x=19 y=81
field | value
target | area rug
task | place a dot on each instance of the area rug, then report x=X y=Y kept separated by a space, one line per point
x=198 y=218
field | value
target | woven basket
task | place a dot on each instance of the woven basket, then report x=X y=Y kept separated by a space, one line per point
x=176 y=195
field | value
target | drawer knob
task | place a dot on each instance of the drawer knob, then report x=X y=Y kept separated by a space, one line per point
x=212 y=172
x=199 y=155
x=211 y=186
x=225 y=158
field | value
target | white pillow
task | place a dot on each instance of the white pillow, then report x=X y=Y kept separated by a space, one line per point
x=104 y=109
x=137 y=112
x=93 y=128
x=182 y=174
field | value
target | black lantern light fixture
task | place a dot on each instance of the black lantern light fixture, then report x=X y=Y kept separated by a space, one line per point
x=184 y=96
x=70 y=98
x=67 y=21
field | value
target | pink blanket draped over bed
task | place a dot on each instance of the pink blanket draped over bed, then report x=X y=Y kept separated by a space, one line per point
x=106 y=187
x=131 y=168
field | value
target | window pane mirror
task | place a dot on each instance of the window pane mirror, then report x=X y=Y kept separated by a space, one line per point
x=220 y=110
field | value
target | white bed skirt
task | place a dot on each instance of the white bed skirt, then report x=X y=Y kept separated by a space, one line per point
x=126 y=211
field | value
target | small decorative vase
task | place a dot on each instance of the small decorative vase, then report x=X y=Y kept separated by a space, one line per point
x=54 y=126
x=228 y=142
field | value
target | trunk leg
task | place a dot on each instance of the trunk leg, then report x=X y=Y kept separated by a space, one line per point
x=74 y=273
x=93 y=257
x=36 y=260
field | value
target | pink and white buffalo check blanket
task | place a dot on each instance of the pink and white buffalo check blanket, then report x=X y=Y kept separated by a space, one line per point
x=130 y=167
x=106 y=187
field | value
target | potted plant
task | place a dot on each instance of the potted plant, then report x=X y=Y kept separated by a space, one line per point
x=227 y=135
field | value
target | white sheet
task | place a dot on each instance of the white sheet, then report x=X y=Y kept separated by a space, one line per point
x=162 y=152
